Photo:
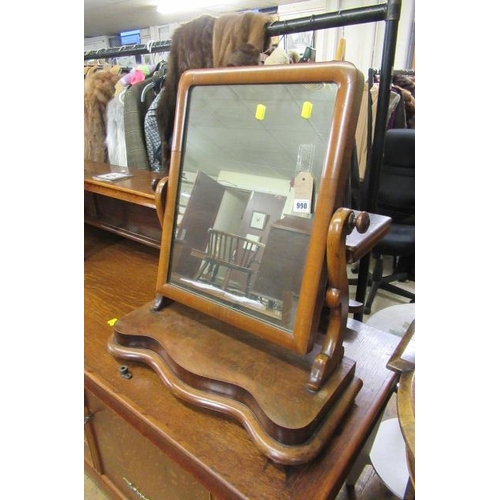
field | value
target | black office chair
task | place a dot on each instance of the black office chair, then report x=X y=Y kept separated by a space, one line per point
x=396 y=199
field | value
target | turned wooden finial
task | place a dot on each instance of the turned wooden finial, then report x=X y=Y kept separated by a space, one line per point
x=362 y=222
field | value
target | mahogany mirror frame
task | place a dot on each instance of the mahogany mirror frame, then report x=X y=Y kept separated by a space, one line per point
x=329 y=194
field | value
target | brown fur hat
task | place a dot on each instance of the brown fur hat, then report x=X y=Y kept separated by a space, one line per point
x=232 y=31
x=244 y=55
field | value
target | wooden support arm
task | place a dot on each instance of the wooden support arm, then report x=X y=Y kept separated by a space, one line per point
x=160 y=189
x=337 y=296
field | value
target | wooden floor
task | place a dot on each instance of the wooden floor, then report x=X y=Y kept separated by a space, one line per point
x=368 y=486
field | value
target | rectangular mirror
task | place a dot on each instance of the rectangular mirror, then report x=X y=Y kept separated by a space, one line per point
x=259 y=163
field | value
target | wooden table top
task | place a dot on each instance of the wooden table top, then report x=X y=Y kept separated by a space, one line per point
x=120 y=276
x=136 y=189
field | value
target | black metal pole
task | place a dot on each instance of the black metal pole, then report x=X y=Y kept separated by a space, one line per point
x=388 y=54
x=375 y=163
x=128 y=50
x=349 y=17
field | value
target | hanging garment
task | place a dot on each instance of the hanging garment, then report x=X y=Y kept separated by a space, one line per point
x=152 y=135
x=398 y=117
x=115 y=132
x=405 y=81
x=99 y=88
x=409 y=105
x=361 y=136
x=134 y=114
x=362 y=126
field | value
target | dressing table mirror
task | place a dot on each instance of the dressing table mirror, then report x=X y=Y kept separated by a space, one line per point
x=255 y=175
x=253 y=252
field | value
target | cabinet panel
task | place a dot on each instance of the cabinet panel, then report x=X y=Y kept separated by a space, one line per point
x=87 y=456
x=91 y=452
x=134 y=465
x=130 y=220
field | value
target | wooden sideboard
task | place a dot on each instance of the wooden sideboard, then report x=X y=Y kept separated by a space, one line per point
x=143 y=442
x=125 y=207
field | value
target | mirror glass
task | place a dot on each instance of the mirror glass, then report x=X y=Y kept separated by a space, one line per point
x=251 y=161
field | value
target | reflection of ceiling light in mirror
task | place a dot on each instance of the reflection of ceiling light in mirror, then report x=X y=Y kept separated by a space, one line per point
x=169 y=7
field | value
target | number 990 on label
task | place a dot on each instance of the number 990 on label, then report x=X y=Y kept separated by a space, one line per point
x=301 y=206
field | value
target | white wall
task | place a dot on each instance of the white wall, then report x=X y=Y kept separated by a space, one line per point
x=95 y=43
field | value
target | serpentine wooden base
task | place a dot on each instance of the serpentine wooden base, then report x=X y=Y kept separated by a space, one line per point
x=216 y=366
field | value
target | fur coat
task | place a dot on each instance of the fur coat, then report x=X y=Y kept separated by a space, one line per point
x=191 y=48
x=99 y=88
x=206 y=42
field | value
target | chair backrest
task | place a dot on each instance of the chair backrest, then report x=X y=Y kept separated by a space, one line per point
x=232 y=249
x=396 y=196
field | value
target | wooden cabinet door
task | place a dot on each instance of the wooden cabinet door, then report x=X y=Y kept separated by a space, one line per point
x=136 y=466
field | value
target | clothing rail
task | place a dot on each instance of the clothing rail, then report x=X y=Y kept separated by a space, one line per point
x=349 y=17
x=390 y=13
x=128 y=50
x=374 y=71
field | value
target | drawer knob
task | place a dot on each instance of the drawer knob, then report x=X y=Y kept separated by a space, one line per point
x=125 y=372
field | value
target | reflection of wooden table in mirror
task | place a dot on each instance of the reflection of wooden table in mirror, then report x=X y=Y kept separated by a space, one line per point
x=283 y=259
x=137 y=429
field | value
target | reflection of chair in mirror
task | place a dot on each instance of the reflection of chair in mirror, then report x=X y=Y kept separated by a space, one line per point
x=233 y=252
